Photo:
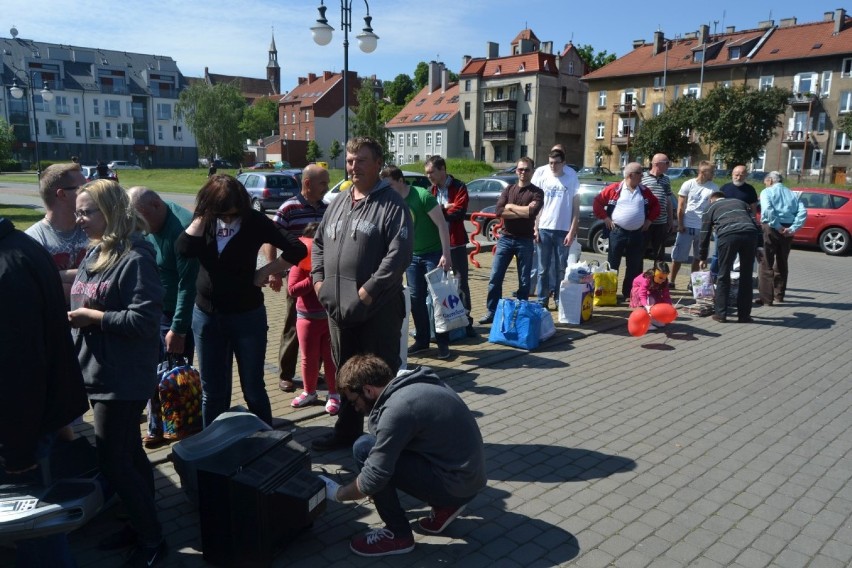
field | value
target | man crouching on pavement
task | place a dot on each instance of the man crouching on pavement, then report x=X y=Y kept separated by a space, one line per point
x=423 y=440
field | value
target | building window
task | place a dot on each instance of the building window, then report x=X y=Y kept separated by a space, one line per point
x=524 y=150
x=804 y=83
x=401 y=140
x=525 y=123
x=308 y=135
x=95 y=107
x=759 y=163
x=112 y=108
x=467 y=110
x=408 y=138
x=825 y=86
x=78 y=129
x=467 y=84
x=816 y=159
x=307 y=116
x=94 y=130
x=428 y=139
x=284 y=118
x=842 y=143
x=54 y=128
x=693 y=90
x=164 y=111
x=657 y=109
x=159 y=131
x=528 y=92
x=846 y=67
x=821 y=118
x=766 y=82
x=601 y=99
x=414 y=139
x=392 y=141
x=109 y=130
x=62 y=105
x=177 y=132
x=845 y=103
x=498 y=153
x=600 y=129
x=482 y=153
x=725 y=84
x=698 y=56
x=439 y=139
x=76 y=105
x=734 y=52
x=466 y=139
x=510 y=153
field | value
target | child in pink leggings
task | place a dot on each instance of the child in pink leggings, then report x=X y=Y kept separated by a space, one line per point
x=313 y=334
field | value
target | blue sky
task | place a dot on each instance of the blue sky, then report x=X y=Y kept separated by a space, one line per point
x=233 y=37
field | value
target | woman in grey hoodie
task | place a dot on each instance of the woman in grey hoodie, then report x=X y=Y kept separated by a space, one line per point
x=116 y=305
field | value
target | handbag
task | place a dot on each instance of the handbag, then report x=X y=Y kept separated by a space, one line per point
x=517 y=323
x=180 y=397
x=605 y=285
x=575 y=302
x=447 y=308
x=702 y=285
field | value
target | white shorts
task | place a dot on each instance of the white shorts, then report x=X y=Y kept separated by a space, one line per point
x=685 y=241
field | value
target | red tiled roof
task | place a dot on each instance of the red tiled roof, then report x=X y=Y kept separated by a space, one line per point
x=309 y=92
x=525 y=34
x=246 y=85
x=525 y=63
x=427 y=107
x=773 y=44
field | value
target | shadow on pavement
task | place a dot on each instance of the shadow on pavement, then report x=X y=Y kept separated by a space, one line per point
x=542 y=463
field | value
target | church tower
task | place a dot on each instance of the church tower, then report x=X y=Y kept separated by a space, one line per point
x=273 y=70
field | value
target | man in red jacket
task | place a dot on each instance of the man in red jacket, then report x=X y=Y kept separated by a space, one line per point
x=452 y=197
x=628 y=208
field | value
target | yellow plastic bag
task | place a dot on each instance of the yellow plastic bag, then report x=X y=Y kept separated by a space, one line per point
x=606 y=285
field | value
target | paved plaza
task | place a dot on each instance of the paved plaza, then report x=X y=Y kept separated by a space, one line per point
x=704 y=444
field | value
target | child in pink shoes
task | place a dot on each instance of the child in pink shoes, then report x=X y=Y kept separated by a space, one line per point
x=312 y=331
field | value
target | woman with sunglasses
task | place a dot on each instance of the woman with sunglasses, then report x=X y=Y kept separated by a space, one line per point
x=229 y=318
x=116 y=306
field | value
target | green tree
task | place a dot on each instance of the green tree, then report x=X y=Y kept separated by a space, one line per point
x=594 y=60
x=213 y=115
x=421 y=75
x=7 y=138
x=666 y=132
x=845 y=124
x=367 y=120
x=737 y=122
x=259 y=120
x=399 y=89
x=387 y=111
x=314 y=152
x=334 y=152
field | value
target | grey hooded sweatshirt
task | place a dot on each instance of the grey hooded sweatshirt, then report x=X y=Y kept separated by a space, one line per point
x=417 y=412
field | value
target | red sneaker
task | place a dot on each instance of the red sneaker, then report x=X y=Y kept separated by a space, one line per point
x=381 y=542
x=440 y=518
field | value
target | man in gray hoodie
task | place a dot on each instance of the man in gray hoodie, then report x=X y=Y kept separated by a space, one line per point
x=423 y=440
x=360 y=252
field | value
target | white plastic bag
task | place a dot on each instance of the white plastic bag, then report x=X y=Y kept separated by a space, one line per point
x=447 y=307
x=702 y=285
x=575 y=302
x=548 y=328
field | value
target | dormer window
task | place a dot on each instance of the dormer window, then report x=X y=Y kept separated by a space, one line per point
x=734 y=52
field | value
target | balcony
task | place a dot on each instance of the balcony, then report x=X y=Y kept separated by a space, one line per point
x=499 y=135
x=114 y=90
x=501 y=104
x=627 y=108
x=622 y=138
x=796 y=138
x=799 y=100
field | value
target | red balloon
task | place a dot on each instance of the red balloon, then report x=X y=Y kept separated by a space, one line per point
x=664 y=313
x=305 y=263
x=638 y=322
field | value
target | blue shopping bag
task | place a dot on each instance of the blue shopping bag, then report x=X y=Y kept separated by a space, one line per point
x=517 y=323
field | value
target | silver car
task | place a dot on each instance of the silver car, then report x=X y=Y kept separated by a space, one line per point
x=483 y=192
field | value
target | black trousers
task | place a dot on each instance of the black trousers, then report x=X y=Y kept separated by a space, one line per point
x=727 y=249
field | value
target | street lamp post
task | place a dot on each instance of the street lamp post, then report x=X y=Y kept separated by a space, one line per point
x=366 y=41
x=47 y=95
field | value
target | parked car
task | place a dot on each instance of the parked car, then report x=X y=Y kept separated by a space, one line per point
x=122 y=165
x=678 y=173
x=756 y=176
x=595 y=172
x=262 y=166
x=483 y=192
x=268 y=190
x=411 y=178
x=90 y=172
x=829 y=221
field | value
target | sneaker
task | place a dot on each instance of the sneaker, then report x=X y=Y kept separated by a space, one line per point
x=154 y=440
x=304 y=399
x=332 y=405
x=487 y=318
x=443 y=352
x=286 y=385
x=147 y=556
x=381 y=542
x=440 y=518
x=718 y=318
x=125 y=538
x=417 y=349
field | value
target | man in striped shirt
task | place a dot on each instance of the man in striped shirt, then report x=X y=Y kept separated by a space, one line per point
x=294 y=215
x=658 y=182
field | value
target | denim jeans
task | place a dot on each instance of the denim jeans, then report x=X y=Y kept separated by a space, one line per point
x=552 y=259
x=218 y=338
x=414 y=474
x=506 y=249
x=630 y=244
x=415 y=276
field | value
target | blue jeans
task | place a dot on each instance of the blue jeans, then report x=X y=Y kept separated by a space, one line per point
x=506 y=249
x=415 y=276
x=552 y=259
x=630 y=244
x=218 y=338
x=413 y=474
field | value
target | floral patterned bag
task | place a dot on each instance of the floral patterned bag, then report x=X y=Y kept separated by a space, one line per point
x=180 y=398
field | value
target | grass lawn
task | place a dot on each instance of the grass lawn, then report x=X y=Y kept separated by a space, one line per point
x=21 y=215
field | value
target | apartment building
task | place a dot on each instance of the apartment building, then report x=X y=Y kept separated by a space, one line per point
x=813 y=60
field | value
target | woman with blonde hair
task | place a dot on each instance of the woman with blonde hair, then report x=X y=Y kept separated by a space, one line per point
x=116 y=305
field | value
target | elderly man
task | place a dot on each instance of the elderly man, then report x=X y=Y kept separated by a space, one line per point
x=451 y=194
x=628 y=208
x=166 y=221
x=737 y=234
x=737 y=188
x=59 y=232
x=294 y=215
x=518 y=206
x=423 y=441
x=781 y=215
x=360 y=252
x=693 y=199
x=556 y=223
x=658 y=182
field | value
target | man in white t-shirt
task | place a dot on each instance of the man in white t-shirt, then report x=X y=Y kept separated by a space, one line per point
x=693 y=199
x=556 y=224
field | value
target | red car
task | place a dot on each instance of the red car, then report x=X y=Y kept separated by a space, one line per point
x=829 y=221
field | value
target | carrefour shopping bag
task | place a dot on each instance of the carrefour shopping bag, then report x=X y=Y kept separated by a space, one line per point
x=517 y=323
x=447 y=308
